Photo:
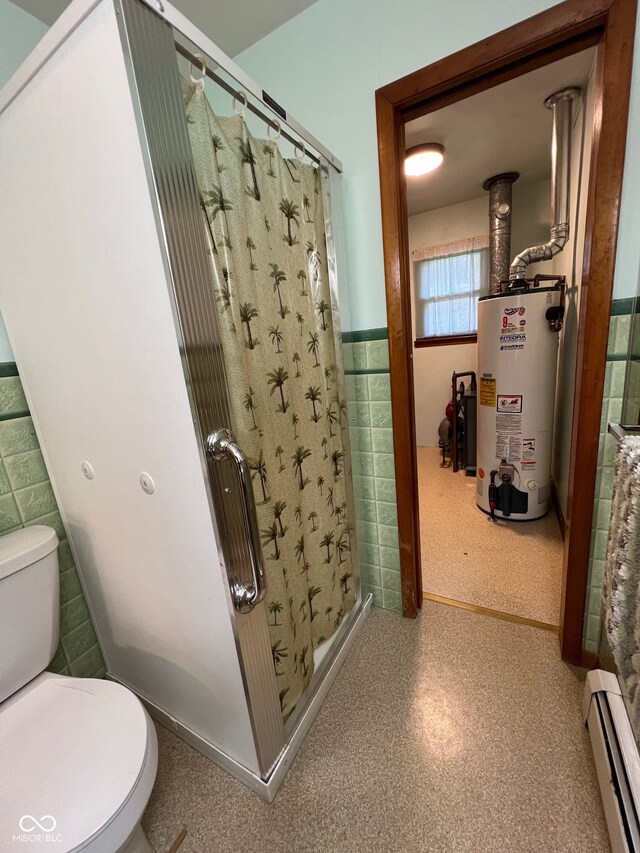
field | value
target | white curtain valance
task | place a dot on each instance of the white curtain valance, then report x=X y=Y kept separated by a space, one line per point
x=459 y=247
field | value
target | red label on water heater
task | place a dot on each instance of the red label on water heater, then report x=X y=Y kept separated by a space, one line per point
x=511 y=403
x=513 y=334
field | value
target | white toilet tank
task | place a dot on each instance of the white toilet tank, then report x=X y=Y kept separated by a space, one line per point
x=29 y=605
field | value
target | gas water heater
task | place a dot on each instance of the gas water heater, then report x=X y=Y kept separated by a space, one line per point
x=518 y=326
x=517 y=356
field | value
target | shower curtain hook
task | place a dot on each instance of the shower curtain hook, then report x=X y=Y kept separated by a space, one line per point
x=278 y=128
x=199 y=81
x=300 y=147
x=245 y=103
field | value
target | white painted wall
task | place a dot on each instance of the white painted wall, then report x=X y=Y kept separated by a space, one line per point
x=324 y=66
x=19 y=34
x=433 y=366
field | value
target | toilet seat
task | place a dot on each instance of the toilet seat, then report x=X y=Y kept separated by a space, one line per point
x=78 y=759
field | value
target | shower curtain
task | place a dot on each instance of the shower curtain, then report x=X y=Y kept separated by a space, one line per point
x=264 y=221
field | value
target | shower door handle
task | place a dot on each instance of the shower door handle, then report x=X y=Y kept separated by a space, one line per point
x=221 y=445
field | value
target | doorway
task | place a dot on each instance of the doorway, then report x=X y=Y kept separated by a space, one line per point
x=558 y=34
x=461 y=242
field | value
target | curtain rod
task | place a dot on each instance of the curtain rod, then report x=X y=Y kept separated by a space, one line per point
x=242 y=96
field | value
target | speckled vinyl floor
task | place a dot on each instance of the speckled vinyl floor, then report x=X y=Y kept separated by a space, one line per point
x=453 y=733
x=508 y=566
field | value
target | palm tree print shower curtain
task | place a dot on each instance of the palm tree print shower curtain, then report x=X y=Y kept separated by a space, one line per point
x=264 y=222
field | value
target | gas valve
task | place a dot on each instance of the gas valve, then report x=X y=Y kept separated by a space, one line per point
x=506 y=472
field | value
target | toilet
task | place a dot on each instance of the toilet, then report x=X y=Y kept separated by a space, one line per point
x=78 y=756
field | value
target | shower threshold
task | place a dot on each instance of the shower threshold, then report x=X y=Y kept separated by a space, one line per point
x=334 y=652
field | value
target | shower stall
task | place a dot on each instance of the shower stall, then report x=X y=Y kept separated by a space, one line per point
x=172 y=286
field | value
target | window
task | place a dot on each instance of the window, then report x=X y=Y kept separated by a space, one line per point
x=448 y=280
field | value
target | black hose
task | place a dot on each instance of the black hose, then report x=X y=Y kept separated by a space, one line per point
x=492 y=496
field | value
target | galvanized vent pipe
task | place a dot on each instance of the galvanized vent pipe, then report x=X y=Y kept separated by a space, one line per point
x=499 y=187
x=561 y=106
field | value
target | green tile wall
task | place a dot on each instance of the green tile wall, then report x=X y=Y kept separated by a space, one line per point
x=612 y=410
x=631 y=411
x=366 y=358
x=26 y=498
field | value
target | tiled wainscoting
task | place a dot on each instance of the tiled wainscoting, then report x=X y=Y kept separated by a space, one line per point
x=631 y=413
x=612 y=411
x=26 y=498
x=366 y=359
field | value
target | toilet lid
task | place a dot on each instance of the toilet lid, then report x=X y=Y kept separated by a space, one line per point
x=71 y=752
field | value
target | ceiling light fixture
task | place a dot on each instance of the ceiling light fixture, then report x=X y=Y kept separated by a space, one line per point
x=422 y=159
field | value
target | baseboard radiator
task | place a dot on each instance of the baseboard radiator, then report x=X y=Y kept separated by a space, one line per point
x=616 y=758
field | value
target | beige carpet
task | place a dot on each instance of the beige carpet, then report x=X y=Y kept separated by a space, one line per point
x=508 y=566
x=452 y=733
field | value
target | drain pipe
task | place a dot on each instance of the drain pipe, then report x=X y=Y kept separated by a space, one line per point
x=561 y=105
x=499 y=187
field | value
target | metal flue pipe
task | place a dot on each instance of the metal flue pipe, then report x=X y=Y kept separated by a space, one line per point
x=499 y=187
x=561 y=105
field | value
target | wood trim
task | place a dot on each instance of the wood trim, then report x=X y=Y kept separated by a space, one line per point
x=555 y=501
x=479 y=84
x=505 y=53
x=559 y=31
x=396 y=263
x=495 y=614
x=178 y=842
x=444 y=340
x=601 y=237
x=590 y=660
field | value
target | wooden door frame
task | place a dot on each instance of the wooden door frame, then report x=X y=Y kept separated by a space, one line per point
x=551 y=35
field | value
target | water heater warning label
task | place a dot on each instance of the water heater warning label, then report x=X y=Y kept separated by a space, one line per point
x=487 y=392
x=511 y=403
x=509 y=436
x=529 y=453
x=508 y=447
x=511 y=424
